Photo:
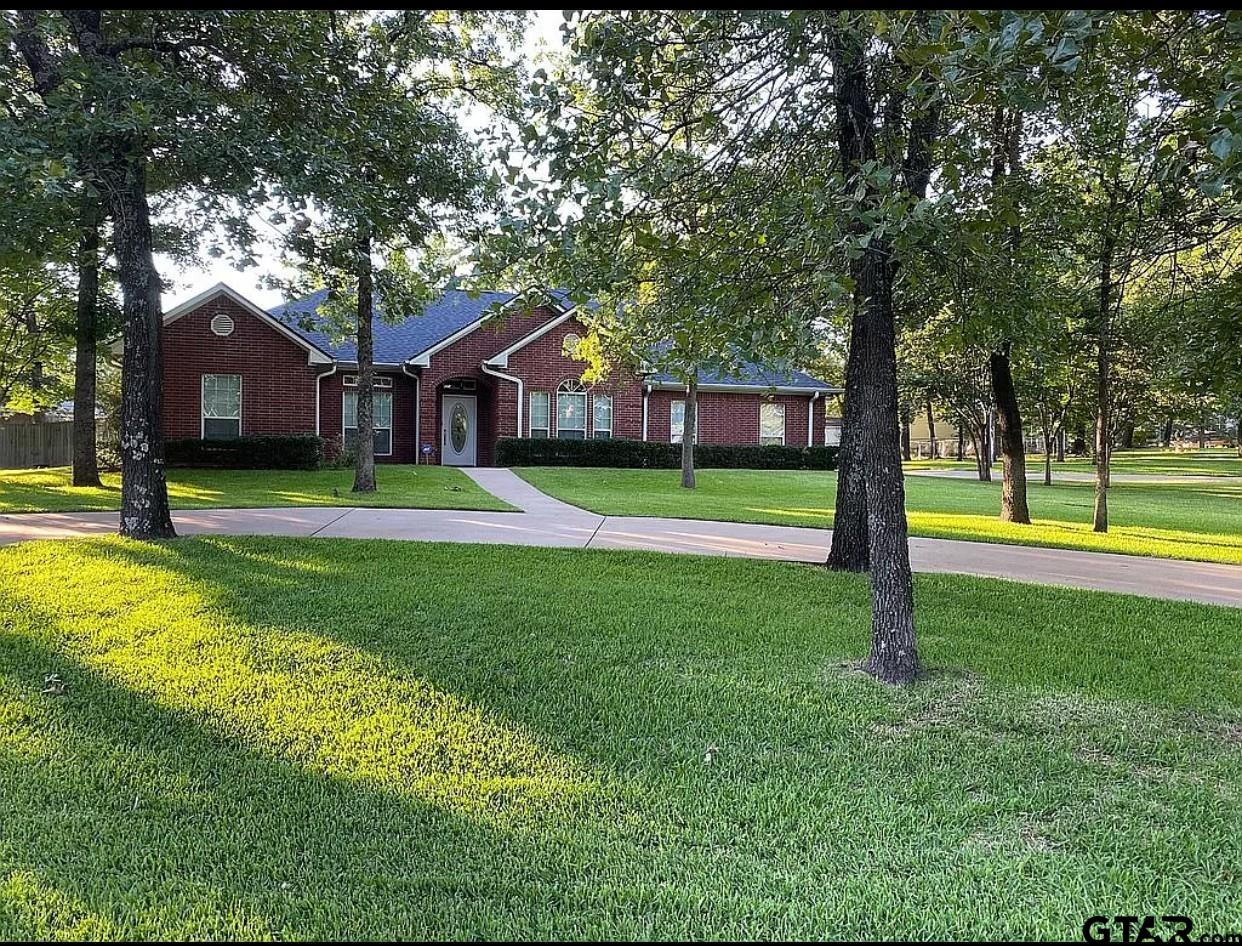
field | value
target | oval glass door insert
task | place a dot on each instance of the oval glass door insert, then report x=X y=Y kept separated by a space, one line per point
x=459 y=425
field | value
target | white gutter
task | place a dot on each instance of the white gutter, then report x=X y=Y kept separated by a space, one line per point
x=646 y=394
x=418 y=410
x=810 y=420
x=745 y=388
x=518 y=381
x=319 y=394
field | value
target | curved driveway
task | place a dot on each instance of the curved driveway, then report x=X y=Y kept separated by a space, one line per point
x=545 y=521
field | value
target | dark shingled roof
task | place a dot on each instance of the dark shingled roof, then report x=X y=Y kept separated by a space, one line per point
x=399 y=342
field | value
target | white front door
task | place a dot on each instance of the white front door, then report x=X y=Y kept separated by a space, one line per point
x=458 y=440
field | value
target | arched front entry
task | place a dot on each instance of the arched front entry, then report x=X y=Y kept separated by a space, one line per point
x=459 y=422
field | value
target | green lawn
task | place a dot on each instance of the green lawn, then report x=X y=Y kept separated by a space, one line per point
x=293 y=739
x=417 y=487
x=1193 y=520
x=1214 y=461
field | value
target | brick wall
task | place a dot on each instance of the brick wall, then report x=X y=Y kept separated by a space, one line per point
x=278 y=386
x=331 y=392
x=543 y=366
x=728 y=417
x=464 y=359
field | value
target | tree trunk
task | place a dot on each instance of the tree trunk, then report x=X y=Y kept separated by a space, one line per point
x=144 y=490
x=1166 y=435
x=689 y=430
x=931 y=432
x=849 y=551
x=85 y=456
x=905 y=436
x=1127 y=434
x=1061 y=445
x=1103 y=444
x=1014 y=506
x=1202 y=436
x=364 y=455
x=894 y=655
x=1047 y=457
x=961 y=442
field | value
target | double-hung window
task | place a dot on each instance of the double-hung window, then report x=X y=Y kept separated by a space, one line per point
x=539 y=426
x=221 y=406
x=381 y=412
x=771 y=423
x=677 y=422
x=571 y=411
x=601 y=418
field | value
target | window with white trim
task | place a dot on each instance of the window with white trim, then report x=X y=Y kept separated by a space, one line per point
x=771 y=423
x=221 y=406
x=571 y=411
x=832 y=434
x=677 y=422
x=601 y=416
x=381 y=412
x=539 y=425
x=377 y=381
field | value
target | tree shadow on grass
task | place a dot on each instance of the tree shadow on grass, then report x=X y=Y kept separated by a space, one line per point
x=256 y=692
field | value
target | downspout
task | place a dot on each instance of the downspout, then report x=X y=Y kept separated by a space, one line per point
x=646 y=394
x=518 y=381
x=418 y=410
x=810 y=419
x=319 y=394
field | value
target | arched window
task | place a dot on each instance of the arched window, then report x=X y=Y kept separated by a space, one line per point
x=571 y=411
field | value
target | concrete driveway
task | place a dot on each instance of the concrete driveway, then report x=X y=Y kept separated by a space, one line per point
x=545 y=521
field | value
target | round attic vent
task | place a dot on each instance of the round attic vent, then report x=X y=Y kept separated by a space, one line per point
x=222 y=325
x=570 y=343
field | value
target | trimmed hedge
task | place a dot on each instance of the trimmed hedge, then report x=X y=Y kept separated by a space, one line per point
x=292 y=452
x=530 y=451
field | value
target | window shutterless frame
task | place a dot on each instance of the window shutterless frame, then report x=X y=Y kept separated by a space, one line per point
x=202 y=405
x=545 y=429
x=771 y=414
x=346 y=427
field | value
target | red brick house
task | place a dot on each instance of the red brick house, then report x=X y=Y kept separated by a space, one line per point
x=449 y=382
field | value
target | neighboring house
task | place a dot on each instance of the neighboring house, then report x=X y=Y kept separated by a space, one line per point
x=449 y=382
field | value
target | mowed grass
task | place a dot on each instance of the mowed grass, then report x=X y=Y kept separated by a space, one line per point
x=417 y=487
x=298 y=739
x=1198 y=521
x=1212 y=461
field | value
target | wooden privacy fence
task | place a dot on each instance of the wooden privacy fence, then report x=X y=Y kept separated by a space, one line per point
x=23 y=446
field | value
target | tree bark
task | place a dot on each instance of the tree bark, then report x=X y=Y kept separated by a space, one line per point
x=893 y=656
x=1014 y=507
x=86 y=329
x=689 y=429
x=1127 y=434
x=144 y=490
x=849 y=551
x=1047 y=458
x=364 y=454
x=961 y=442
x=905 y=436
x=1103 y=443
x=1166 y=435
x=931 y=432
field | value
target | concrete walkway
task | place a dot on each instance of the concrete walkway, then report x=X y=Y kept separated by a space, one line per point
x=545 y=521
